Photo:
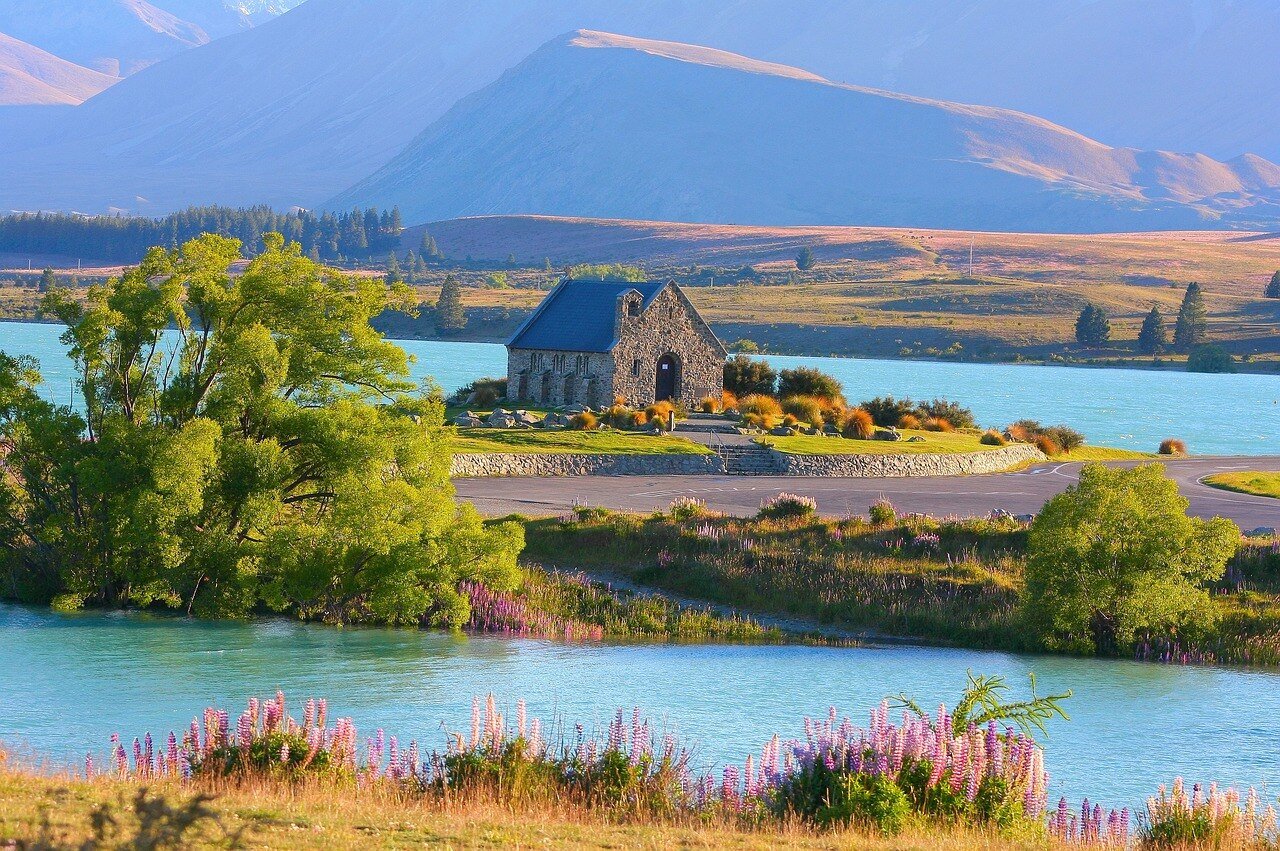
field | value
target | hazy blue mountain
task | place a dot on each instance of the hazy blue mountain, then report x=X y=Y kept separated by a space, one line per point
x=294 y=112
x=596 y=124
x=121 y=37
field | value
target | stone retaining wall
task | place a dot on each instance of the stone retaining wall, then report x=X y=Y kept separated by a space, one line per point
x=893 y=466
x=517 y=464
x=854 y=466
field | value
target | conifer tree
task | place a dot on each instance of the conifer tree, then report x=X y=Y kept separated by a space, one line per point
x=394 y=275
x=1153 y=337
x=450 y=315
x=1273 y=288
x=805 y=259
x=48 y=281
x=411 y=267
x=1189 y=331
x=429 y=249
x=1092 y=327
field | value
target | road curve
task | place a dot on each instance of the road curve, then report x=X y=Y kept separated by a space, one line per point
x=965 y=496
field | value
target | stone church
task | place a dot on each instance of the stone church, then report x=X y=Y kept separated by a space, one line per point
x=590 y=342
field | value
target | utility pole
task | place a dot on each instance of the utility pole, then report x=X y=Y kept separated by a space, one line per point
x=970 y=257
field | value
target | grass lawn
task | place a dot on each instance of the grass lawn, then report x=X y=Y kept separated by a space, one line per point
x=536 y=441
x=935 y=443
x=1105 y=453
x=325 y=816
x=1250 y=482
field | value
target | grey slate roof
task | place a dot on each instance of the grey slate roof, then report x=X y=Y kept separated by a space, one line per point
x=577 y=316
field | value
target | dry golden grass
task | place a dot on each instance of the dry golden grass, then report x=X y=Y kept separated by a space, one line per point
x=325 y=816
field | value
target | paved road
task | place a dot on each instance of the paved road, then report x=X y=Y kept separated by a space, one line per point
x=1019 y=493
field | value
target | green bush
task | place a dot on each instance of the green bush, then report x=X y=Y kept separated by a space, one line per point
x=744 y=376
x=888 y=411
x=1210 y=358
x=944 y=409
x=807 y=381
x=882 y=513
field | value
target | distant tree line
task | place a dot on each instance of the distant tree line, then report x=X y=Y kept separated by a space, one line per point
x=358 y=234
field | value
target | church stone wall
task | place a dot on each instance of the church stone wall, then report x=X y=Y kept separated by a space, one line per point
x=668 y=326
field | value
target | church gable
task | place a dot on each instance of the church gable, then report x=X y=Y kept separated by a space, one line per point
x=590 y=342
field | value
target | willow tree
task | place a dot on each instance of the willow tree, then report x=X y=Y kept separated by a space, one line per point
x=244 y=438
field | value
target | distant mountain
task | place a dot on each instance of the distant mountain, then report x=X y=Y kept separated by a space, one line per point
x=294 y=112
x=30 y=76
x=121 y=37
x=596 y=124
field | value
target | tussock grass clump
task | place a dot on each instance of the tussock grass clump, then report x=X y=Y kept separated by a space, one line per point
x=991 y=437
x=1172 y=446
x=786 y=506
x=858 y=425
x=585 y=421
x=940 y=424
x=908 y=421
x=805 y=409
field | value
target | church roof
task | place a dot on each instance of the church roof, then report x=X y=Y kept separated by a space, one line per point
x=578 y=315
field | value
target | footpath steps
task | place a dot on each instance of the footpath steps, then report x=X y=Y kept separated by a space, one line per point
x=749 y=459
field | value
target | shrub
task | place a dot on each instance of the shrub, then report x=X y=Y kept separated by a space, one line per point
x=709 y=405
x=1172 y=446
x=745 y=376
x=944 y=409
x=858 y=425
x=807 y=381
x=790 y=421
x=687 y=508
x=585 y=421
x=728 y=401
x=480 y=393
x=909 y=421
x=888 y=411
x=937 y=424
x=991 y=437
x=1210 y=358
x=757 y=421
x=1047 y=445
x=806 y=409
x=1067 y=438
x=787 y=505
x=1063 y=437
x=882 y=512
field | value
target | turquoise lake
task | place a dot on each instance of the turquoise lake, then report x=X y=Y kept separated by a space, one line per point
x=68 y=681
x=1128 y=408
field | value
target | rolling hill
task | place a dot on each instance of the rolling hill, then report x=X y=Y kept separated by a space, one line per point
x=597 y=124
x=31 y=76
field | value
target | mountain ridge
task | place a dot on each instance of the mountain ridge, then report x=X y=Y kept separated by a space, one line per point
x=727 y=138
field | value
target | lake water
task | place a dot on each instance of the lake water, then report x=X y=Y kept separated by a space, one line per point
x=1129 y=408
x=68 y=681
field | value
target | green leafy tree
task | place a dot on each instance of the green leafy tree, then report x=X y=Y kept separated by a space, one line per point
x=48 y=280
x=1092 y=326
x=1273 y=287
x=252 y=442
x=807 y=381
x=1189 y=331
x=1116 y=555
x=606 y=272
x=744 y=376
x=1210 y=358
x=1152 y=337
x=805 y=259
x=451 y=317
